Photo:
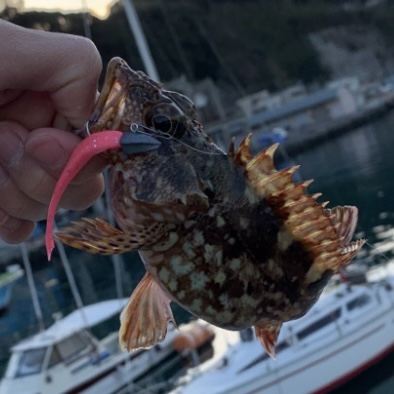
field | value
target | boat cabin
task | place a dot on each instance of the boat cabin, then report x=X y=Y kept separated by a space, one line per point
x=29 y=359
x=64 y=355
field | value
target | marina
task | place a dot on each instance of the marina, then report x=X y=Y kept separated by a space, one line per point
x=62 y=337
x=347 y=331
x=360 y=175
x=68 y=358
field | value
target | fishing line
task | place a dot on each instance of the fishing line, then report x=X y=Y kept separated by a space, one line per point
x=373 y=247
x=139 y=128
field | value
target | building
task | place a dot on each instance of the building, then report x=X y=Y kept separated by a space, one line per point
x=298 y=115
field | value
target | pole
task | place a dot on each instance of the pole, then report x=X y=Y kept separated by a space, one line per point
x=71 y=280
x=32 y=287
x=117 y=260
x=140 y=39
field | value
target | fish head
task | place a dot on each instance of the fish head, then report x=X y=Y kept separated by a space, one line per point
x=132 y=102
x=164 y=149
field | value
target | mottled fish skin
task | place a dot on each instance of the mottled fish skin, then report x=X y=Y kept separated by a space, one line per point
x=227 y=236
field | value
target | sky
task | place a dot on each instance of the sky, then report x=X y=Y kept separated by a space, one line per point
x=97 y=7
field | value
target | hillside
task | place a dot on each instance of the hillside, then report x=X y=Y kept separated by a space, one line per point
x=243 y=45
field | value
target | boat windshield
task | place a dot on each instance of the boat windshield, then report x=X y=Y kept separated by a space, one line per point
x=72 y=348
x=30 y=362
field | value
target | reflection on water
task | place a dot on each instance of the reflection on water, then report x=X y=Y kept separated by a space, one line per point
x=356 y=169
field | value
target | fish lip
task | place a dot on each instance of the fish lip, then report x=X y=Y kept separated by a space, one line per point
x=111 y=104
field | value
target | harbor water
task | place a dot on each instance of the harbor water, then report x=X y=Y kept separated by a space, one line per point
x=355 y=169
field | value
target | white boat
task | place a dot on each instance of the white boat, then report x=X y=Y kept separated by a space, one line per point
x=7 y=281
x=68 y=358
x=348 y=330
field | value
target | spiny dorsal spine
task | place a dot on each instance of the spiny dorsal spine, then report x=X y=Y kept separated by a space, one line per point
x=326 y=233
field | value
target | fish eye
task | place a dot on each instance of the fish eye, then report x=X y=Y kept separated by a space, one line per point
x=166 y=118
x=163 y=123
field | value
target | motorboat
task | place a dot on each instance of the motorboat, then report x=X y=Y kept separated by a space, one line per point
x=348 y=330
x=69 y=358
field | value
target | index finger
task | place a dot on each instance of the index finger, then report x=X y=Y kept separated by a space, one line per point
x=66 y=66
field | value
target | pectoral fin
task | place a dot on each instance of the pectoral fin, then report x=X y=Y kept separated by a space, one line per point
x=99 y=237
x=268 y=333
x=144 y=319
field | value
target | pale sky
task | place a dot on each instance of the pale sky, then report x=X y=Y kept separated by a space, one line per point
x=98 y=7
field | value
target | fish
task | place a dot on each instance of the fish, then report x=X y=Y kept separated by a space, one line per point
x=225 y=235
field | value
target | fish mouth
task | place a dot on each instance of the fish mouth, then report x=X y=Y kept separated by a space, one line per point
x=116 y=111
x=109 y=111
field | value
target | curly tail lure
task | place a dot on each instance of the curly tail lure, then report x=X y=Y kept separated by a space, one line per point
x=92 y=145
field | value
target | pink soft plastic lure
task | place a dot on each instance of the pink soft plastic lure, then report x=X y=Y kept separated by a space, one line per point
x=89 y=147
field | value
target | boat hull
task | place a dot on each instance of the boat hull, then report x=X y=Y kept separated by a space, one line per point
x=315 y=359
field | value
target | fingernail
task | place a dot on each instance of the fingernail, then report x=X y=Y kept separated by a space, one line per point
x=11 y=148
x=47 y=151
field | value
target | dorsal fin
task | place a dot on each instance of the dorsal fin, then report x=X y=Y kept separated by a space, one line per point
x=264 y=161
x=325 y=233
x=345 y=219
x=242 y=155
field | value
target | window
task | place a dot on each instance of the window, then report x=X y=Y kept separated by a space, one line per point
x=71 y=348
x=317 y=325
x=30 y=362
x=358 y=302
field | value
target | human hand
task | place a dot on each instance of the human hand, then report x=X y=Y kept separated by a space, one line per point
x=48 y=85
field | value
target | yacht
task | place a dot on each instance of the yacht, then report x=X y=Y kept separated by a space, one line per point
x=349 y=329
x=68 y=358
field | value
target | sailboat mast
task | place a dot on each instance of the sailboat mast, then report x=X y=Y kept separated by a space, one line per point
x=140 y=39
x=71 y=281
x=32 y=287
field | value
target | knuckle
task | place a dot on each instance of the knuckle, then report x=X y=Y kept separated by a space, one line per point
x=89 y=55
x=14 y=230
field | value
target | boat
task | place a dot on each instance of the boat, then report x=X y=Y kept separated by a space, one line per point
x=68 y=358
x=7 y=280
x=278 y=135
x=348 y=330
